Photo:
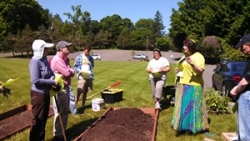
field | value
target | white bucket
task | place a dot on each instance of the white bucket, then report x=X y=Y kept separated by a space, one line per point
x=97 y=104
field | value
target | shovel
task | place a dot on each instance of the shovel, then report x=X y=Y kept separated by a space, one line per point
x=111 y=86
x=60 y=118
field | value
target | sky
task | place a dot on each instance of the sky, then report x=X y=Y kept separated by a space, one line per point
x=98 y=9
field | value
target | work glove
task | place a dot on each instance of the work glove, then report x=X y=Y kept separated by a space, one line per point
x=60 y=84
x=5 y=91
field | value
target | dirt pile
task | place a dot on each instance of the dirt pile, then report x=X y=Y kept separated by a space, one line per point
x=125 y=124
x=17 y=122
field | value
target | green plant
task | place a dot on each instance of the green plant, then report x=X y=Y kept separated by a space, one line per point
x=215 y=101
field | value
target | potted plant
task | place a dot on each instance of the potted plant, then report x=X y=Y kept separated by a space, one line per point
x=216 y=103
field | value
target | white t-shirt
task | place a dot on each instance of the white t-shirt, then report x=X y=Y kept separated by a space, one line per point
x=156 y=65
x=85 y=69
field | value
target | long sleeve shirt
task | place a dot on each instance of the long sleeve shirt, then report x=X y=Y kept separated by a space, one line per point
x=40 y=74
x=78 y=65
x=59 y=65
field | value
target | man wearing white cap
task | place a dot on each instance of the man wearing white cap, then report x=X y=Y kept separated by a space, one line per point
x=40 y=76
x=59 y=65
x=241 y=92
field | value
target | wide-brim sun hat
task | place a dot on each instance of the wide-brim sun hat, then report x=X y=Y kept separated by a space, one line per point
x=38 y=48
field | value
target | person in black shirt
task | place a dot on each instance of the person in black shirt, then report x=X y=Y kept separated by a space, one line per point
x=241 y=92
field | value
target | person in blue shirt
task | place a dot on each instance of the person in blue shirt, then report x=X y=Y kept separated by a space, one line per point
x=84 y=64
x=41 y=82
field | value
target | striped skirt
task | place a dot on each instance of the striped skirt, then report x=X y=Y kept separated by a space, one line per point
x=190 y=112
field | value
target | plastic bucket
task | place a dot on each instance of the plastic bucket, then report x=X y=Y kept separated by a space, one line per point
x=97 y=104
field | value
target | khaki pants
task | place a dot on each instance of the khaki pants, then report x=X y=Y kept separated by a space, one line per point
x=84 y=85
x=157 y=85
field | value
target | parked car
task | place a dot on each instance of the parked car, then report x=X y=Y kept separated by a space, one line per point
x=140 y=56
x=96 y=56
x=227 y=74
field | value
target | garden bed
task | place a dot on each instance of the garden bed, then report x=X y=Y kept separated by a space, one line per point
x=123 y=124
x=16 y=120
x=229 y=136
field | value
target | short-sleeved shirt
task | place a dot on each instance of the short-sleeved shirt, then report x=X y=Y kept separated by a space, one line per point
x=190 y=76
x=156 y=65
x=246 y=73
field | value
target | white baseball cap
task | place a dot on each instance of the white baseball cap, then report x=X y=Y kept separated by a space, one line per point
x=38 y=48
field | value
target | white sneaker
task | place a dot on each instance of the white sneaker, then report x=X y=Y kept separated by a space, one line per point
x=157 y=105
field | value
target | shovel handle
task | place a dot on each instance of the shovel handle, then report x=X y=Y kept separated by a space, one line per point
x=111 y=86
x=60 y=118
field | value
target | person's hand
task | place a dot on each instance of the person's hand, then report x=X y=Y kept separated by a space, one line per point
x=72 y=70
x=5 y=91
x=189 y=61
x=56 y=88
x=176 y=70
x=56 y=83
x=161 y=70
x=87 y=62
x=233 y=92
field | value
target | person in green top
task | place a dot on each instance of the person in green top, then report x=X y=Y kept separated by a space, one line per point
x=190 y=113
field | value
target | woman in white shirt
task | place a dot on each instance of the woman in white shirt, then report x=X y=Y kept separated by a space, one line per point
x=157 y=69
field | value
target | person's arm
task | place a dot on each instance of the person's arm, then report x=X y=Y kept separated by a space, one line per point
x=166 y=67
x=1 y=87
x=77 y=64
x=199 y=70
x=35 y=74
x=91 y=60
x=149 y=69
x=64 y=69
x=240 y=87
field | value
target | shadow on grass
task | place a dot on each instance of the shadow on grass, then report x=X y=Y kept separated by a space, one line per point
x=165 y=104
x=168 y=94
x=78 y=129
x=168 y=90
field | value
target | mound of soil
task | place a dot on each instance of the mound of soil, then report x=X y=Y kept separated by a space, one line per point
x=17 y=122
x=125 y=124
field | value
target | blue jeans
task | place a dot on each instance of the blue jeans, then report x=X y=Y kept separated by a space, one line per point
x=244 y=116
x=72 y=105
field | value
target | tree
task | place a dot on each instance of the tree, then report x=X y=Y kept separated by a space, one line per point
x=124 y=39
x=143 y=36
x=211 y=49
x=18 y=13
x=25 y=39
x=77 y=20
x=158 y=25
x=8 y=43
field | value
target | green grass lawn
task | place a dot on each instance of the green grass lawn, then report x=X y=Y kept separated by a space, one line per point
x=136 y=93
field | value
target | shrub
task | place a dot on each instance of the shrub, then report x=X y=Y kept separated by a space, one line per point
x=215 y=101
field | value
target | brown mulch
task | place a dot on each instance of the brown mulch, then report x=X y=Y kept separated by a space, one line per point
x=17 y=122
x=125 y=124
